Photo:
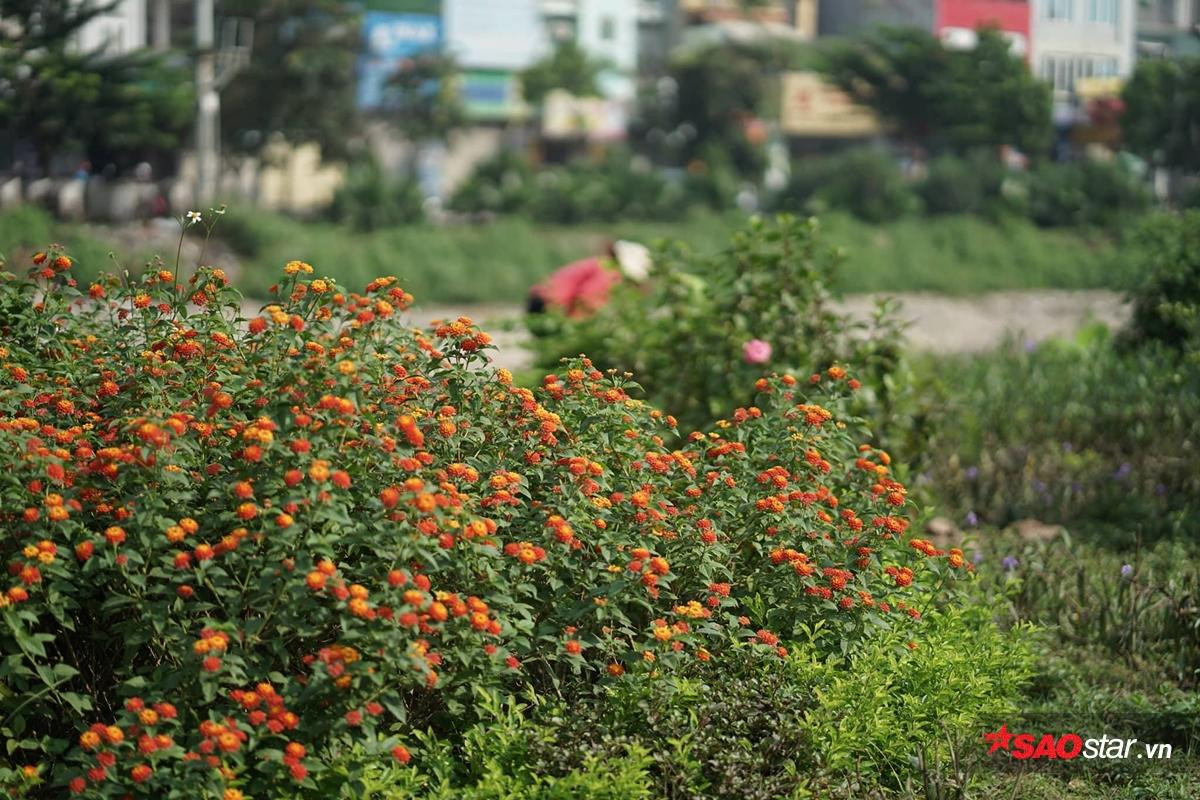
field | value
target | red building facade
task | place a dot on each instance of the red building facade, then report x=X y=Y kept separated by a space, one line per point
x=955 y=21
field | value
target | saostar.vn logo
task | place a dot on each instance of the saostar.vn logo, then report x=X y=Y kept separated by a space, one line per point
x=1070 y=745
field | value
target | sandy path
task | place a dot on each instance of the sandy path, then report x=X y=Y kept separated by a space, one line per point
x=943 y=324
x=936 y=323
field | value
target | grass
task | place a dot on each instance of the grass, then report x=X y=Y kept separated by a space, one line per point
x=967 y=255
x=493 y=262
x=1090 y=681
x=498 y=261
x=1087 y=432
x=26 y=229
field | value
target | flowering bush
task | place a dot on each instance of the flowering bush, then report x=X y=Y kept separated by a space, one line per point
x=238 y=549
x=702 y=330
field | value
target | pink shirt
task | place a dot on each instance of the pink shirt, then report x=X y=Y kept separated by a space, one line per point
x=579 y=287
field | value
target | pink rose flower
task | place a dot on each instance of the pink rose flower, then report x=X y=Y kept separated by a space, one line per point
x=756 y=351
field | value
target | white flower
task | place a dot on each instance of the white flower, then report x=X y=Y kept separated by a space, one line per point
x=193 y=217
x=633 y=259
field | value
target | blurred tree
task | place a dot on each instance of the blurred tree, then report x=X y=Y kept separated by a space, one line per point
x=710 y=105
x=422 y=98
x=1161 y=121
x=369 y=199
x=114 y=108
x=568 y=67
x=145 y=107
x=422 y=101
x=944 y=99
x=299 y=84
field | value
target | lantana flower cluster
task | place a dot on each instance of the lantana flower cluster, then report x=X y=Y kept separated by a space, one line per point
x=235 y=548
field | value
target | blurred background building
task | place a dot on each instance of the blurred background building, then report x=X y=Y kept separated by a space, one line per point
x=1075 y=39
x=122 y=29
x=1168 y=27
x=846 y=17
x=956 y=21
x=1078 y=47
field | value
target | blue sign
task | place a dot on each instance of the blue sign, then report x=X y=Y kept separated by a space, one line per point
x=389 y=39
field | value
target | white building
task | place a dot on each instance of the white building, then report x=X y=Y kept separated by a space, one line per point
x=489 y=35
x=1075 y=39
x=121 y=29
x=613 y=31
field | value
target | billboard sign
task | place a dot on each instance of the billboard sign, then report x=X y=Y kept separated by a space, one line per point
x=492 y=94
x=597 y=119
x=812 y=106
x=390 y=38
x=486 y=34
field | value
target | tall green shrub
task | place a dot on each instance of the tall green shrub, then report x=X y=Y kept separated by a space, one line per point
x=970 y=185
x=864 y=182
x=369 y=199
x=1166 y=298
x=1085 y=193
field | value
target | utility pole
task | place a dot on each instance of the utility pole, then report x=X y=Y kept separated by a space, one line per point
x=161 y=38
x=208 y=106
x=673 y=23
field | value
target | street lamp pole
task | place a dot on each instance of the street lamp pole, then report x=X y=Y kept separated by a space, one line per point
x=208 y=106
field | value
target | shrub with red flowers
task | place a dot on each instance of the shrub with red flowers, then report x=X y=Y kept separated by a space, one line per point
x=236 y=549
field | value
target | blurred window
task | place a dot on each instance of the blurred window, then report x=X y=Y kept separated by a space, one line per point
x=1102 y=11
x=608 y=28
x=1158 y=12
x=1048 y=68
x=1058 y=9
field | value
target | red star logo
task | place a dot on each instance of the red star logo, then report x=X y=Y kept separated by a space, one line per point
x=998 y=740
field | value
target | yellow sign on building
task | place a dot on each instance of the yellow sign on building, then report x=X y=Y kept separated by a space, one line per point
x=1096 y=87
x=565 y=116
x=812 y=106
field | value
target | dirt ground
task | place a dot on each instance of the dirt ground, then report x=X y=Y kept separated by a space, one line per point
x=936 y=323
x=943 y=324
